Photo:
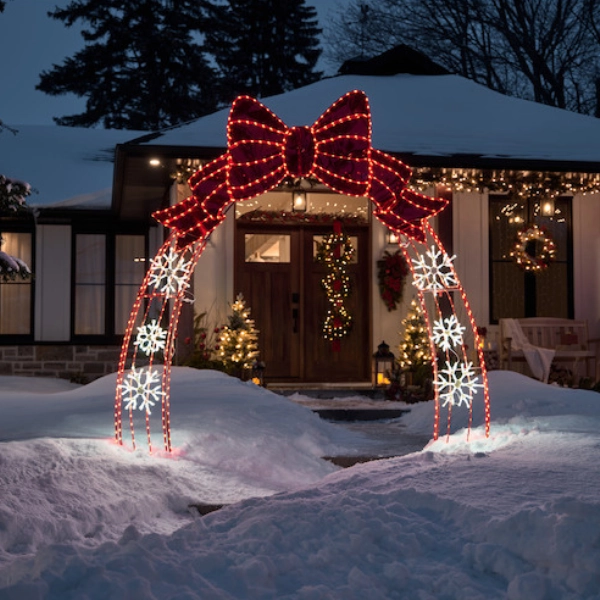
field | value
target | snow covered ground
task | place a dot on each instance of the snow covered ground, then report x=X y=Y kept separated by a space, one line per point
x=514 y=516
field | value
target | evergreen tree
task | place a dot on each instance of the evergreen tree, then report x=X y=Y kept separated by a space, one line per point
x=262 y=47
x=141 y=67
x=238 y=340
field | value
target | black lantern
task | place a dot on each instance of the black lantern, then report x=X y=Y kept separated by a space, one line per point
x=299 y=202
x=383 y=365
x=258 y=372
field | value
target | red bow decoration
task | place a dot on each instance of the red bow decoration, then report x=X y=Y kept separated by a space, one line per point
x=336 y=150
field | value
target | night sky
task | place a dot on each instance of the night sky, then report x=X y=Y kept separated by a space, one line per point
x=30 y=42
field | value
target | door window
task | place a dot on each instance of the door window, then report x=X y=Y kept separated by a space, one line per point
x=267 y=248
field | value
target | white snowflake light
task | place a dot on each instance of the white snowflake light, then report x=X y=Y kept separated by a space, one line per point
x=150 y=338
x=437 y=274
x=169 y=273
x=457 y=385
x=448 y=333
x=142 y=388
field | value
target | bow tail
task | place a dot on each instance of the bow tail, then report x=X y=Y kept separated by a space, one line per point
x=396 y=206
x=199 y=215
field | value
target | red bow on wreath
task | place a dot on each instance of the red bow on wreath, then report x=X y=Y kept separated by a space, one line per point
x=336 y=150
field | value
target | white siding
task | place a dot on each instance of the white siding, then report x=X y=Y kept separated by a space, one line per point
x=53 y=283
x=586 y=260
x=470 y=235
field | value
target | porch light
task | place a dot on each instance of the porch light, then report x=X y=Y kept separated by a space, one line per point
x=299 y=201
x=392 y=238
x=154 y=162
x=383 y=364
x=547 y=207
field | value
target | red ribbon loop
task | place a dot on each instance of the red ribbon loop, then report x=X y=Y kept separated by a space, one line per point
x=336 y=150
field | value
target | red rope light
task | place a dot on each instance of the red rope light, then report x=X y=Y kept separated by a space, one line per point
x=262 y=151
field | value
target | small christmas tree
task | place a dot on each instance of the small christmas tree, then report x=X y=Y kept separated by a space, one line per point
x=414 y=354
x=238 y=341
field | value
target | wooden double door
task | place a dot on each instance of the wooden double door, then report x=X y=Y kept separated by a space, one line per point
x=277 y=271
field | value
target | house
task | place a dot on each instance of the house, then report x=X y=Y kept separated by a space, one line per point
x=87 y=258
x=503 y=163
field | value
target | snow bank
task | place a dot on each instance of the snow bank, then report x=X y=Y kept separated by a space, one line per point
x=515 y=516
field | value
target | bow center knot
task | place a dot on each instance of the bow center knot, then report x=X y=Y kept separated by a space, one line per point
x=299 y=151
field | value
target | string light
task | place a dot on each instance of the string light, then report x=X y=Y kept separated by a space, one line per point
x=336 y=252
x=457 y=383
x=448 y=333
x=142 y=389
x=150 y=338
x=523 y=184
x=544 y=249
x=433 y=271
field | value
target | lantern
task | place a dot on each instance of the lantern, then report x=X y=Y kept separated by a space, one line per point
x=383 y=365
x=299 y=203
x=258 y=373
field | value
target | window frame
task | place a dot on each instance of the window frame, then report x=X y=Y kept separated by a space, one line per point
x=529 y=279
x=21 y=226
x=110 y=233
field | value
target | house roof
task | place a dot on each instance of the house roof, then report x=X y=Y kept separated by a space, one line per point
x=66 y=166
x=444 y=120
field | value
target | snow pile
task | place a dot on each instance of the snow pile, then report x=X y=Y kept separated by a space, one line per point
x=514 y=516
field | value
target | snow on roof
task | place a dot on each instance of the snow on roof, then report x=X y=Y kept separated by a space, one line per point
x=440 y=115
x=67 y=166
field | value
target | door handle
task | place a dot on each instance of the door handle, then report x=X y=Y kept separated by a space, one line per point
x=295 y=315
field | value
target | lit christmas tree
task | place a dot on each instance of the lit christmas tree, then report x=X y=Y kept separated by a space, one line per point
x=238 y=341
x=414 y=354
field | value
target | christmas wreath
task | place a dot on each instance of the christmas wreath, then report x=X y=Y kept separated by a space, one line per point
x=392 y=272
x=535 y=249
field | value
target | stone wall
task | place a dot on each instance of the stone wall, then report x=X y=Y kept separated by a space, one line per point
x=77 y=363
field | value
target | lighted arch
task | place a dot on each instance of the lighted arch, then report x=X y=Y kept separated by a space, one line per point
x=262 y=151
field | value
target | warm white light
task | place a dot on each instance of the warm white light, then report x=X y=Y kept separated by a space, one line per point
x=299 y=201
x=154 y=162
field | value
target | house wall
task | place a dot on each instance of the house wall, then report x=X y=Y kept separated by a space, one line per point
x=586 y=260
x=470 y=237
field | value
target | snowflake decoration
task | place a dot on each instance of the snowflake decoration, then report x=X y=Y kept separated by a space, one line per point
x=448 y=333
x=143 y=389
x=457 y=384
x=150 y=338
x=436 y=274
x=169 y=273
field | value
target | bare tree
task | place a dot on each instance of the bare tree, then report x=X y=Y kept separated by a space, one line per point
x=544 y=50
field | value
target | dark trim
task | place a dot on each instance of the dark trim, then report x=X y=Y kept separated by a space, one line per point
x=23 y=226
x=530 y=288
x=110 y=234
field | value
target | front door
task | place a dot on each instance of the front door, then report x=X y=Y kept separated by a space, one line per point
x=277 y=271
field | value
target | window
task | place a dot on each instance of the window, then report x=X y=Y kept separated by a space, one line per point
x=515 y=292
x=267 y=247
x=130 y=267
x=16 y=295
x=108 y=272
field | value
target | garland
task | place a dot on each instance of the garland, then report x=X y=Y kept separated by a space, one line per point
x=273 y=216
x=535 y=249
x=336 y=252
x=392 y=272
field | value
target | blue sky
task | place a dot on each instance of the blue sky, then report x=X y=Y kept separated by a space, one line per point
x=31 y=42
